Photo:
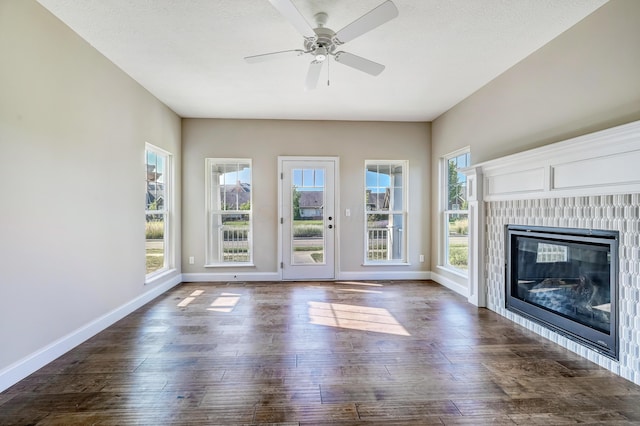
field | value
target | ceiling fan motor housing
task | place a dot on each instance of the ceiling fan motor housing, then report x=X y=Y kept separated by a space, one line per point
x=324 y=40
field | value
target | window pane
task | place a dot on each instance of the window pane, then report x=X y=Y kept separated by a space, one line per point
x=385 y=237
x=455 y=227
x=155 y=181
x=155 y=244
x=396 y=230
x=396 y=173
x=319 y=178
x=457 y=183
x=235 y=186
x=308 y=178
x=385 y=207
x=230 y=237
x=458 y=240
x=374 y=200
x=157 y=217
x=229 y=224
x=384 y=173
x=395 y=196
x=377 y=236
x=297 y=177
x=234 y=237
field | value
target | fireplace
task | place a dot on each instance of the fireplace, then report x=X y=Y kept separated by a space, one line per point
x=587 y=182
x=565 y=279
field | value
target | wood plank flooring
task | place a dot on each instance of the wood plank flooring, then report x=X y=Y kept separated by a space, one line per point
x=318 y=353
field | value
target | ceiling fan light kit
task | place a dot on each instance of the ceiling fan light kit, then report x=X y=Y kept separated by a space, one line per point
x=322 y=42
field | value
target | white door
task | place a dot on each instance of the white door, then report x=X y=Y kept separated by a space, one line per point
x=308 y=218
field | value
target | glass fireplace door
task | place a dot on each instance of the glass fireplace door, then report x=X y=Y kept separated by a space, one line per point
x=567 y=280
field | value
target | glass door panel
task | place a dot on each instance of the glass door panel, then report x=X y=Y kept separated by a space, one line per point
x=307 y=211
x=308 y=219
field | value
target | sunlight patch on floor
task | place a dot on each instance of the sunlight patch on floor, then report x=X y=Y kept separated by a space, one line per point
x=360 y=283
x=190 y=299
x=224 y=303
x=354 y=317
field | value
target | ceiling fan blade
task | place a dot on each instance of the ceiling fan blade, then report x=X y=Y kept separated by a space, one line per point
x=359 y=63
x=289 y=11
x=313 y=75
x=370 y=20
x=273 y=55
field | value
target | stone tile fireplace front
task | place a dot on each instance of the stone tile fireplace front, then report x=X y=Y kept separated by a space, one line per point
x=588 y=183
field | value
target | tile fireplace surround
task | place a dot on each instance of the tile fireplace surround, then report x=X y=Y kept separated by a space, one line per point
x=589 y=182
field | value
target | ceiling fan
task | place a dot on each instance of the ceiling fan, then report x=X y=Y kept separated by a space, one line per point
x=322 y=42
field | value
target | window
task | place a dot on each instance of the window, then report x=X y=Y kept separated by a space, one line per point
x=229 y=212
x=456 y=213
x=158 y=204
x=385 y=211
x=551 y=253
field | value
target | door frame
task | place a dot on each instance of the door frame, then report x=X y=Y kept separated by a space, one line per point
x=336 y=195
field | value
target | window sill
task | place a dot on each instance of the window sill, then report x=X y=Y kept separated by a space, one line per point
x=229 y=265
x=158 y=275
x=390 y=263
x=458 y=272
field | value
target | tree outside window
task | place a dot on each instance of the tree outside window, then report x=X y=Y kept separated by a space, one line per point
x=456 y=213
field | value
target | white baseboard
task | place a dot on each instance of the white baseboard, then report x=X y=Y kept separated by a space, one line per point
x=450 y=284
x=274 y=276
x=384 y=275
x=33 y=362
x=230 y=276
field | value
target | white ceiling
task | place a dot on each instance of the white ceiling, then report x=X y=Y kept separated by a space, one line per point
x=189 y=54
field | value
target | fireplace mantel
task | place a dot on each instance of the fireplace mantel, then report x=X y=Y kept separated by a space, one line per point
x=600 y=163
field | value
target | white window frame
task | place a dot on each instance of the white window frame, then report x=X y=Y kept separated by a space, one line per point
x=166 y=211
x=215 y=258
x=446 y=212
x=403 y=211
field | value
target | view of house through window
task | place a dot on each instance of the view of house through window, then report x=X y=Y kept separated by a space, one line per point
x=229 y=212
x=456 y=214
x=156 y=211
x=385 y=211
x=307 y=211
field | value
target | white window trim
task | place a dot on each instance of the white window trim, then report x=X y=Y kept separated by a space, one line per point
x=169 y=239
x=443 y=237
x=404 y=212
x=208 y=212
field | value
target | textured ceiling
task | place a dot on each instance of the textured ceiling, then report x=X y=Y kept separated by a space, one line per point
x=189 y=54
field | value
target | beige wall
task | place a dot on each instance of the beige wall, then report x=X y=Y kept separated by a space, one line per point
x=73 y=129
x=585 y=80
x=265 y=140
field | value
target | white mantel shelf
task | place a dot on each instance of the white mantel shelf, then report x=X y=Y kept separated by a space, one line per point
x=600 y=163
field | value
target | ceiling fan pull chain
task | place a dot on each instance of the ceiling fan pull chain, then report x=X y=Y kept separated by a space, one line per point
x=328 y=66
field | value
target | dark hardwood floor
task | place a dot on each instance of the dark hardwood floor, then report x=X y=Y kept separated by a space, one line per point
x=342 y=353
